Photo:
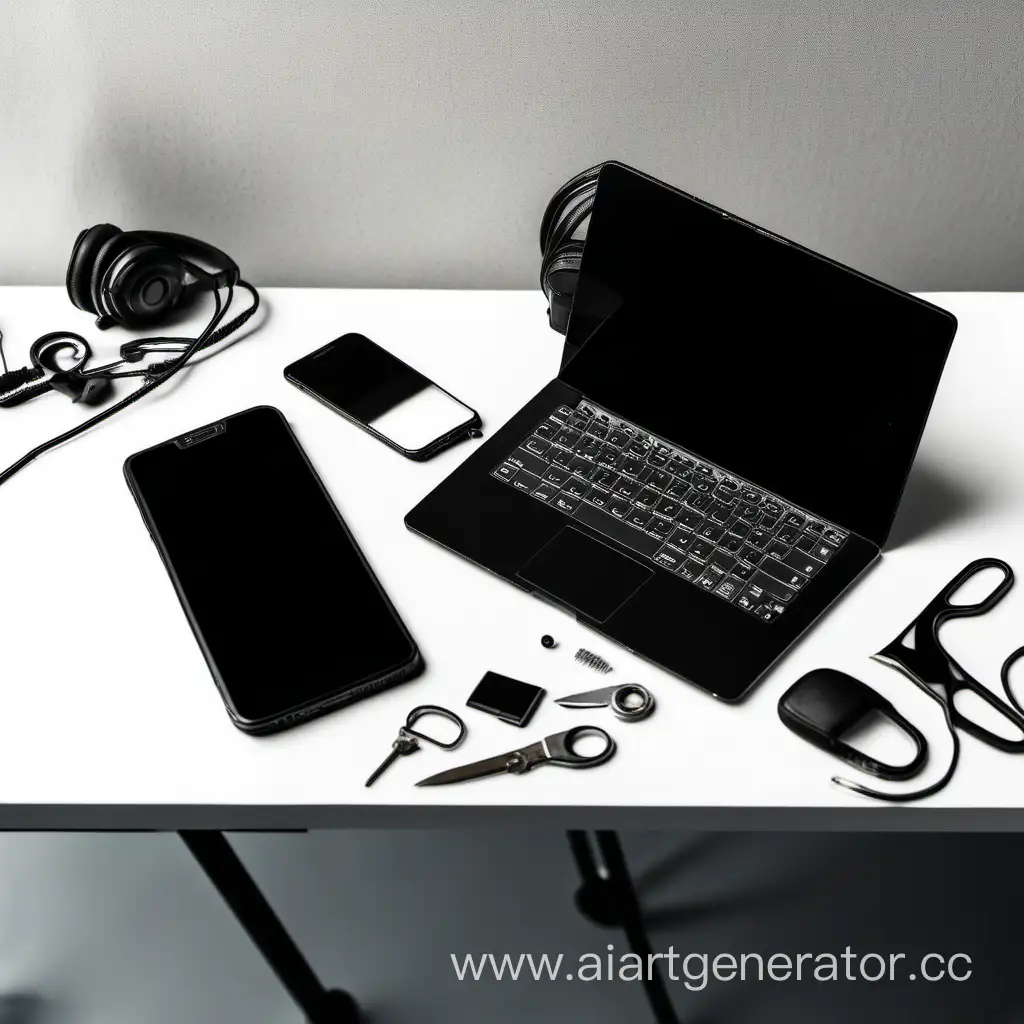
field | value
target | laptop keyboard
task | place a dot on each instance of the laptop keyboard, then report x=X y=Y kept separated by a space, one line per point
x=737 y=541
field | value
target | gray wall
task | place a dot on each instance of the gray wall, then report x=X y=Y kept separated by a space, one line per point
x=405 y=144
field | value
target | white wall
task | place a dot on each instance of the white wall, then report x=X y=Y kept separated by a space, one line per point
x=400 y=143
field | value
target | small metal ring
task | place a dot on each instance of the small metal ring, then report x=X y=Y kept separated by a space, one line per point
x=632 y=712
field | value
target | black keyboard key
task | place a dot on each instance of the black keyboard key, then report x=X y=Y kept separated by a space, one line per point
x=772 y=507
x=657 y=460
x=731 y=543
x=581 y=466
x=803 y=563
x=712 y=532
x=635 y=540
x=759 y=538
x=773 y=587
x=627 y=488
x=750 y=598
x=545 y=430
x=729 y=588
x=751 y=555
x=661 y=528
x=690 y=520
x=677 y=491
x=619 y=507
x=701 y=548
x=607 y=456
x=537 y=445
x=617 y=437
x=670 y=557
x=833 y=537
x=565 y=503
x=629 y=465
x=658 y=478
x=606 y=478
x=545 y=491
x=525 y=480
x=778 y=549
x=690 y=569
x=598 y=430
x=561 y=457
x=728 y=484
x=567 y=437
x=767 y=612
x=557 y=475
x=505 y=471
x=739 y=529
x=589 y=449
x=784 y=573
x=749 y=495
x=638 y=448
x=723 y=560
x=647 y=498
x=527 y=460
x=699 y=502
x=793 y=519
x=668 y=507
x=806 y=543
x=576 y=488
x=579 y=422
x=702 y=484
x=638 y=518
x=720 y=513
x=815 y=527
x=749 y=514
x=787 y=534
x=598 y=496
x=769 y=523
x=710 y=577
x=743 y=571
x=823 y=552
x=562 y=413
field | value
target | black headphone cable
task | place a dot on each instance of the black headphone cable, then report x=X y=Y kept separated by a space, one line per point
x=210 y=336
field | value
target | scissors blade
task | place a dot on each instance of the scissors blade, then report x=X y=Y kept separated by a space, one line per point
x=588 y=699
x=476 y=770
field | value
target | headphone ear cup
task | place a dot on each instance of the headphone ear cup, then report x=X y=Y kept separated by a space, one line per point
x=558 y=281
x=83 y=254
x=106 y=254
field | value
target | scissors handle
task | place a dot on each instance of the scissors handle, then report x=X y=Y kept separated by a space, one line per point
x=947 y=609
x=433 y=709
x=559 y=748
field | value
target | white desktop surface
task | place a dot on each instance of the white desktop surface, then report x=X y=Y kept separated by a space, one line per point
x=109 y=717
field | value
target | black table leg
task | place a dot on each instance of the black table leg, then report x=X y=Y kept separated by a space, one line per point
x=236 y=886
x=607 y=896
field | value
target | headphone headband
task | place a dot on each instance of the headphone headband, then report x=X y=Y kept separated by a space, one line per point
x=186 y=246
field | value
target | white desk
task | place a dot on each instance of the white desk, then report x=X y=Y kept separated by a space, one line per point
x=110 y=718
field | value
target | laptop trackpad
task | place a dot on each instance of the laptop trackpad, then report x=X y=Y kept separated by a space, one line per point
x=585 y=574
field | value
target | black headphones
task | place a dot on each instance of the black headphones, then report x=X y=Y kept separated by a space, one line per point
x=135 y=278
x=569 y=207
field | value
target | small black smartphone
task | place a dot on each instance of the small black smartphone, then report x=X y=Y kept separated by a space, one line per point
x=385 y=396
x=288 y=613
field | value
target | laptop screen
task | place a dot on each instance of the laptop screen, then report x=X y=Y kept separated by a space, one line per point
x=798 y=374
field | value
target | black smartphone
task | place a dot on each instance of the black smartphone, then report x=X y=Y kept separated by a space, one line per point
x=290 y=617
x=385 y=396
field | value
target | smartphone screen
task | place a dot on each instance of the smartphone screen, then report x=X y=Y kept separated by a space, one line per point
x=368 y=384
x=280 y=597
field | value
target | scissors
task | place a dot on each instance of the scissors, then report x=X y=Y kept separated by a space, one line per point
x=408 y=741
x=556 y=749
x=630 y=702
x=918 y=653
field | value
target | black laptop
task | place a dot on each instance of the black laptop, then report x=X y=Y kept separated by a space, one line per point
x=724 y=454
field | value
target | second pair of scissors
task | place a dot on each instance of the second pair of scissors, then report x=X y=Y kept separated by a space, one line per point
x=628 y=701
